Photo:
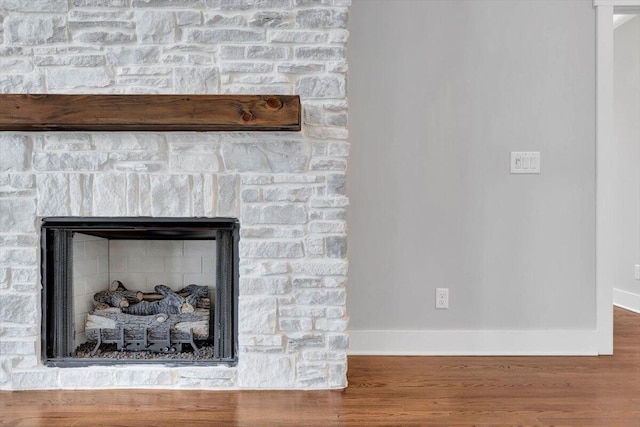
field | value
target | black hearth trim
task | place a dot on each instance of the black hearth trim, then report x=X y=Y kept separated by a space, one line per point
x=58 y=345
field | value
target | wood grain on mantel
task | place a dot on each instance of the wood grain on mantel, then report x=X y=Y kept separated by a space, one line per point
x=149 y=112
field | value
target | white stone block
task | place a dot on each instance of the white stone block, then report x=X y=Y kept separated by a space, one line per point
x=322 y=18
x=250 y=195
x=155 y=26
x=264 y=285
x=339 y=36
x=5 y=371
x=16 y=153
x=34 y=29
x=29 y=83
x=72 y=78
x=320 y=53
x=320 y=268
x=14 y=330
x=265 y=371
x=133 y=55
x=18 y=256
x=274 y=214
x=267 y=156
x=337 y=375
x=4 y=277
x=109 y=194
x=43 y=378
x=70 y=161
x=311 y=375
x=19 y=308
x=321 y=87
x=299 y=324
x=200 y=80
x=259 y=315
x=320 y=296
x=263 y=268
x=188 y=17
x=271 y=19
x=319 y=132
x=17 y=215
x=120 y=141
x=314 y=246
x=249 y=249
x=336 y=184
x=297 y=36
x=300 y=68
x=170 y=195
x=289 y=194
x=215 y=19
x=330 y=202
x=267 y=52
x=300 y=340
x=307 y=282
x=208 y=373
x=34 y=5
x=246 y=67
x=227 y=196
x=260 y=340
x=336 y=246
x=194 y=162
x=143 y=377
x=328 y=164
x=53 y=194
x=24 y=275
x=215 y=36
x=332 y=325
x=338 y=341
x=86 y=378
x=17 y=347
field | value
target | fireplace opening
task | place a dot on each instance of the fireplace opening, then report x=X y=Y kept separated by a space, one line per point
x=139 y=290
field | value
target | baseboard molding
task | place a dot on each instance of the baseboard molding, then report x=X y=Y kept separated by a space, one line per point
x=474 y=343
x=627 y=300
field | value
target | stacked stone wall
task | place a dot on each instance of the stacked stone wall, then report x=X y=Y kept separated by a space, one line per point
x=287 y=189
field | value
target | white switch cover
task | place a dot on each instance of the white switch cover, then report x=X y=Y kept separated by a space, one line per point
x=525 y=162
x=637 y=271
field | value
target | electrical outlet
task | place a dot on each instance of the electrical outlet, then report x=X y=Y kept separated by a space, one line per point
x=637 y=273
x=442 y=297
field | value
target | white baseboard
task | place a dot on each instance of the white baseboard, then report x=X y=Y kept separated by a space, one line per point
x=627 y=300
x=474 y=343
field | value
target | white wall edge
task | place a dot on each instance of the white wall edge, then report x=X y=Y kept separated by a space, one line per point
x=474 y=343
x=627 y=300
x=605 y=170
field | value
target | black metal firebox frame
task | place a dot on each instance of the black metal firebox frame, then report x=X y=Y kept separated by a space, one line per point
x=58 y=338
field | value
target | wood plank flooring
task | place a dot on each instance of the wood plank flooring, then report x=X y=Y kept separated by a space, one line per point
x=390 y=391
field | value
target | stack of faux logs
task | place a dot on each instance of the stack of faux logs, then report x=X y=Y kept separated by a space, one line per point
x=180 y=312
x=164 y=300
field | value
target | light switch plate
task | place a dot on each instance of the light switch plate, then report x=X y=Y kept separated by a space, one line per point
x=525 y=162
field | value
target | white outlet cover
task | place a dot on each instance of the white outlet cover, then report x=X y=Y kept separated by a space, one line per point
x=525 y=162
x=442 y=298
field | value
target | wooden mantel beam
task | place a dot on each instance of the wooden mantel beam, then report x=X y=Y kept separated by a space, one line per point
x=149 y=112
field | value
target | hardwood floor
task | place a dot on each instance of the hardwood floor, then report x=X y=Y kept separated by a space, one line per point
x=401 y=391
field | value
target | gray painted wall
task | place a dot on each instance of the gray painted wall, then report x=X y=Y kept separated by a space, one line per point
x=440 y=93
x=627 y=149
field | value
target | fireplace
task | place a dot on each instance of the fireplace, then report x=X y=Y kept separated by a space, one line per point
x=98 y=301
x=286 y=188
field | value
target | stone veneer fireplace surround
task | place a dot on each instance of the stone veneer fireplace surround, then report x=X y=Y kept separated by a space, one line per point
x=287 y=190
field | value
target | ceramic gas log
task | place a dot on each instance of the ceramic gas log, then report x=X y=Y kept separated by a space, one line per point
x=162 y=323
